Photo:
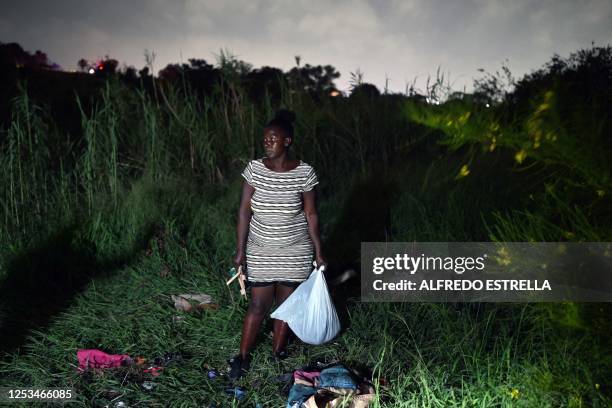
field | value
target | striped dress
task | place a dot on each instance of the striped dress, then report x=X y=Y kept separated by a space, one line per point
x=279 y=247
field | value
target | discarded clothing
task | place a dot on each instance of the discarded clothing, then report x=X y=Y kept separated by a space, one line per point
x=337 y=377
x=236 y=392
x=330 y=387
x=298 y=394
x=153 y=370
x=92 y=358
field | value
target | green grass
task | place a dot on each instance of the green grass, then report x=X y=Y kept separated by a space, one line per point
x=430 y=354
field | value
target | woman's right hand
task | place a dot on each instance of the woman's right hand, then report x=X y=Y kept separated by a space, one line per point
x=239 y=259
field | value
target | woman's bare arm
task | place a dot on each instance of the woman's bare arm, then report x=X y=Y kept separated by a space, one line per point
x=242 y=227
x=312 y=217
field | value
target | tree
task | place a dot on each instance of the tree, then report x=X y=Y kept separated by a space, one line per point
x=200 y=64
x=313 y=79
x=83 y=64
x=262 y=80
x=365 y=90
x=129 y=74
x=171 y=72
x=110 y=65
x=13 y=54
x=144 y=72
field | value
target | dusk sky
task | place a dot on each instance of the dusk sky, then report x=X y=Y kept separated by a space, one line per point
x=399 y=39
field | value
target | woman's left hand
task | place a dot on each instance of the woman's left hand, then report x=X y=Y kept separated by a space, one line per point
x=320 y=260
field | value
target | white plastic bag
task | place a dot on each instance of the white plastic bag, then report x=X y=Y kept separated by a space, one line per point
x=309 y=311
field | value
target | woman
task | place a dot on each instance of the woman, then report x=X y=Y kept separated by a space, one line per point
x=277 y=234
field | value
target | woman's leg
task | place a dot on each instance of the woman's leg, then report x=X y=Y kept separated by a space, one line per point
x=281 y=329
x=261 y=301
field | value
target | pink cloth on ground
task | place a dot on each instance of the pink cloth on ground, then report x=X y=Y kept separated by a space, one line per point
x=92 y=358
x=310 y=376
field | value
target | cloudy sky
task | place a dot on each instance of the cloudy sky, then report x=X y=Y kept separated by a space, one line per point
x=397 y=39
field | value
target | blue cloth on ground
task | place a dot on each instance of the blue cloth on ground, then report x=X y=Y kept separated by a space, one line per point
x=338 y=377
x=298 y=394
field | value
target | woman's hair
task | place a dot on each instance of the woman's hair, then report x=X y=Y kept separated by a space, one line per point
x=283 y=119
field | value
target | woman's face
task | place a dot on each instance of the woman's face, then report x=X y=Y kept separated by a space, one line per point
x=275 y=142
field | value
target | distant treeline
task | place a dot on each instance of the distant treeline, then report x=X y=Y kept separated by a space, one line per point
x=56 y=88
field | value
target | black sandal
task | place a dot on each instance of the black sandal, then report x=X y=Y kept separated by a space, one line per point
x=280 y=355
x=238 y=366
